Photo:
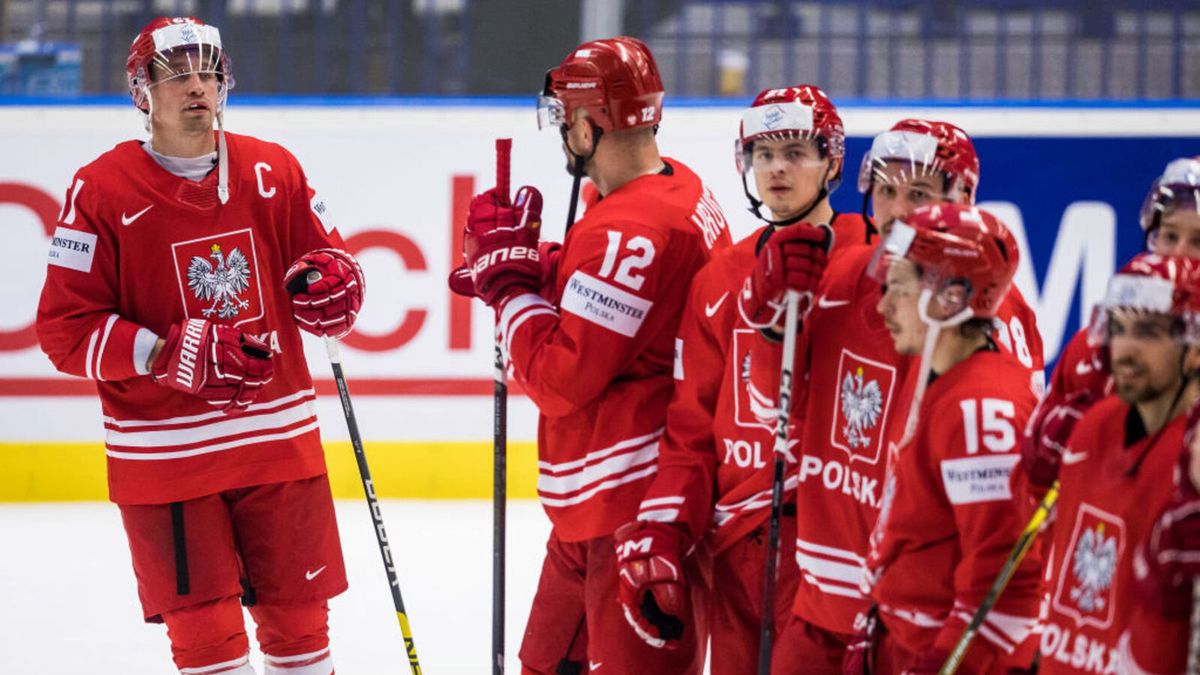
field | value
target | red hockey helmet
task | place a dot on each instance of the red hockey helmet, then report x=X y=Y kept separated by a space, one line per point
x=615 y=80
x=927 y=146
x=1153 y=284
x=803 y=111
x=966 y=257
x=160 y=40
x=1177 y=188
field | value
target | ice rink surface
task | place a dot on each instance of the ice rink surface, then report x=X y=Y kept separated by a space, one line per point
x=70 y=600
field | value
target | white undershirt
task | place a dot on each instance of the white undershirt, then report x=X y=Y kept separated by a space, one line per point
x=191 y=168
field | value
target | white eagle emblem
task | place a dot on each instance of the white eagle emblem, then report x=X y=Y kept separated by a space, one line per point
x=862 y=405
x=1095 y=562
x=222 y=284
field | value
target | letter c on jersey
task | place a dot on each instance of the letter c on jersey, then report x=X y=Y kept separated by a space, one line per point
x=46 y=208
x=259 y=169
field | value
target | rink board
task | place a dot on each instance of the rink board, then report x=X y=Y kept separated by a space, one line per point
x=398 y=178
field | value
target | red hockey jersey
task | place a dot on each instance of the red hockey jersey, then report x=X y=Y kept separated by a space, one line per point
x=716 y=461
x=138 y=249
x=949 y=518
x=1102 y=516
x=597 y=356
x=856 y=396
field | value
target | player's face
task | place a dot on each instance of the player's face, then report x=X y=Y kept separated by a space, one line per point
x=896 y=191
x=578 y=138
x=184 y=92
x=1178 y=234
x=1146 y=355
x=898 y=306
x=789 y=174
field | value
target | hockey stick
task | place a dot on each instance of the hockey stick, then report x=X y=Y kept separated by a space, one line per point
x=364 y=472
x=1024 y=542
x=499 y=446
x=767 y=626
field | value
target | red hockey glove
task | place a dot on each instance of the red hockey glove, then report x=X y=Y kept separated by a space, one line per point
x=549 y=252
x=791 y=258
x=328 y=305
x=1166 y=563
x=1046 y=436
x=652 y=589
x=501 y=244
x=220 y=364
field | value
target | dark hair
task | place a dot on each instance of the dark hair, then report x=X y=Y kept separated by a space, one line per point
x=976 y=327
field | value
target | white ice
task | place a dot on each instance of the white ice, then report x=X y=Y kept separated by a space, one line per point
x=68 y=600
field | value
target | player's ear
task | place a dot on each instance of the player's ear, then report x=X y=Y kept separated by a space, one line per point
x=1191 y=362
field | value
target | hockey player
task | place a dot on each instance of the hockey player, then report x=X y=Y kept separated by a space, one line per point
x=166 y=287
x=857 y=388
x=720 y=426
x=1170 y=220
x=1117 y=470
x=948 y=518
x=595 y=354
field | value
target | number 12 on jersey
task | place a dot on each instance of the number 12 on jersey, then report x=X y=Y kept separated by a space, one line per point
x=639 y=254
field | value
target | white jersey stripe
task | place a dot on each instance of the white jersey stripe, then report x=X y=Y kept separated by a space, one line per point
x=108 y=326
x=91 y=353
x=661 y=501
x=611 y=466
x=251 y=440
x=834 y=589
x=606 y=485
x=111 y=422
x=830 y=551
x=218 y=429
x=660 y=515
x=596 y=455
x=828 y=569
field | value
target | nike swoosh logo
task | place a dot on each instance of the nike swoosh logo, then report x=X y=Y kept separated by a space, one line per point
x=595 y=665
x=128 y=220
x=825 y=303
x=313 y=574
x=1083 y=368
x=1070 y=458
x=709 y=310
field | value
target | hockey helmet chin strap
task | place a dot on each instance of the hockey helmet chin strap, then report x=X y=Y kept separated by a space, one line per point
x=932 y=333
x=577 y=166
x=756 y=205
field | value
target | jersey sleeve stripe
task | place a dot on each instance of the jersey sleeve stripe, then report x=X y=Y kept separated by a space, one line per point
x=108 y=326
x=659 y=515
x=661 y=501
x=88 y=369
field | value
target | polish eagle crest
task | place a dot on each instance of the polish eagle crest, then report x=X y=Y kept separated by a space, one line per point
x=221 y=284
x=862 y=405
x=1095 y=563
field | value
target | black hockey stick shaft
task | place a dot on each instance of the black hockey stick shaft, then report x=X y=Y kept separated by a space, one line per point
x=1024 y=542
x=766 y=638
x=364 y=472
x=499 y=447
